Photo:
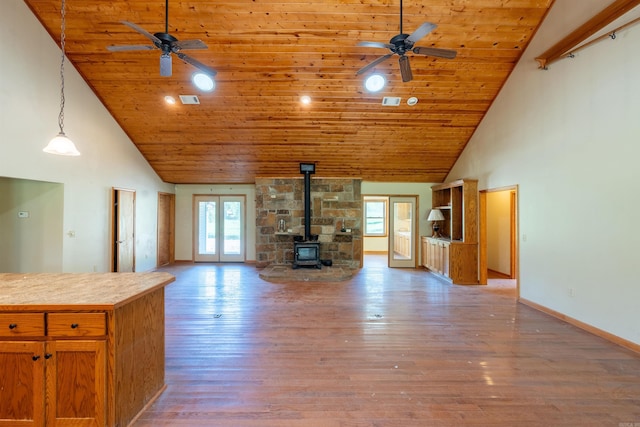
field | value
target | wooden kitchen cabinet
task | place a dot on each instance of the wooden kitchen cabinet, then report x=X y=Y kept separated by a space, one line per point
x=436 y=255
x=52 y=379
x=454 y=253
x=80 y=350
x=22 y=389
x=75 y=370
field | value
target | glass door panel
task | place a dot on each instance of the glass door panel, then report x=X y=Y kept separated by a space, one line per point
x=232 y=230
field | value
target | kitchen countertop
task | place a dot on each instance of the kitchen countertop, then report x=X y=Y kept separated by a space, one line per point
x=89 y=291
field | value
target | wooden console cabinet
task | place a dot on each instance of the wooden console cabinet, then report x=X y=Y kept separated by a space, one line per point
x=454 y=253
x=80 y=349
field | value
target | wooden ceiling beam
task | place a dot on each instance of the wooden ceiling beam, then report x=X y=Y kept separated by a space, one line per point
x=614 y=11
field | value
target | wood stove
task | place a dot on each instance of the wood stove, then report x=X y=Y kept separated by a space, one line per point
x=307 y=252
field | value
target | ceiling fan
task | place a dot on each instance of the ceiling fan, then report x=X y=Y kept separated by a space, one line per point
x=168 y=44
x=403 y=43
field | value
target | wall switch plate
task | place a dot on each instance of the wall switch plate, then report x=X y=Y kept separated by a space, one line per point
x=23 y=214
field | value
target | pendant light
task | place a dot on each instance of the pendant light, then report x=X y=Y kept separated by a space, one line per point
x=61 y=144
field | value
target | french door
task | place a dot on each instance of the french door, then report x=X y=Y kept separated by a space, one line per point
x=402 y=231
x=219 y=228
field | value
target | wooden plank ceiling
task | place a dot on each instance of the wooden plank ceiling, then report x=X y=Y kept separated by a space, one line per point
x=268 y=53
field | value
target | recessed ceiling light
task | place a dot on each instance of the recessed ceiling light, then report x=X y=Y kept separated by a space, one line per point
x=374 y=83
x=203 y=81
x=412 y=101
x=169 y=99
x=305 y=99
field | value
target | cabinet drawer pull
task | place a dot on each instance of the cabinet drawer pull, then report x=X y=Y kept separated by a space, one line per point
x=13 y=325
x=48 y=355
x=36 y=357
x=74 y=326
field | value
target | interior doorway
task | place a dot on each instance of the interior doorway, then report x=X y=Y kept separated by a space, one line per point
x=123 y=209
x=498 y=209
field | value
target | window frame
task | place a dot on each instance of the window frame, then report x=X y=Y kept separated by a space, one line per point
x=385 y=216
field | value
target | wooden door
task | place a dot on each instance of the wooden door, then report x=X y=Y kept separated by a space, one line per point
x=76 y=383
x=166 y=228
x=123 y=230
x=22 y=383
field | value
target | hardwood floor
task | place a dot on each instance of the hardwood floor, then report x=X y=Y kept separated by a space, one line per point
x=390 y=347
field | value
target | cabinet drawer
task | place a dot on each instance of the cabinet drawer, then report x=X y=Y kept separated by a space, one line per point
x=76 y=324
x=21 y=324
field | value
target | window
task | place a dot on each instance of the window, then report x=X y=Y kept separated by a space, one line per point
x=375 y=216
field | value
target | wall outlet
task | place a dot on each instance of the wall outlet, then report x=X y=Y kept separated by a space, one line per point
x=572 y=292
x=23 y=214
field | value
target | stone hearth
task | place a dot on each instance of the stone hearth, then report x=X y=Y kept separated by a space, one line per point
x=285 y=274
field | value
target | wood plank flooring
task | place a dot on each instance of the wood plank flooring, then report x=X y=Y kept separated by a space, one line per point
x=390 y=347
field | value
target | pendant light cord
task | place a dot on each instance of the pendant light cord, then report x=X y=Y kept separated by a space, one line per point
x=62 y=46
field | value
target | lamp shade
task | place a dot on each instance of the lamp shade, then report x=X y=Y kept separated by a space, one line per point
x=61 y=145
x=435 y=215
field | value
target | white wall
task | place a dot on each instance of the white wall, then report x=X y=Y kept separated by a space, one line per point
x=30 y=101
x=568 y=137
x=184 y=216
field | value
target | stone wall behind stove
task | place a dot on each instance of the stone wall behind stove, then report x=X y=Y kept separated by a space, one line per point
x=336 y=204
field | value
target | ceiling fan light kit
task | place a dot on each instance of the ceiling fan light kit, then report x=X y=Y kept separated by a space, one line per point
x=375 y=82
x=168 y=44
x=203 y=81
x=402 y=43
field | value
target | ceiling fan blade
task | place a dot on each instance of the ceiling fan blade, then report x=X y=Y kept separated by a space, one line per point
x=188 y=44
x=376 y=44
x=142 y=31
x=123 y=48
x=434 y=51
x=422 y=31
x=405 y=68
x=197 y=64
x=374 y=63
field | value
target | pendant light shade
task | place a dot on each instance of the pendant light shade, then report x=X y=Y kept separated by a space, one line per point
x=61 y=144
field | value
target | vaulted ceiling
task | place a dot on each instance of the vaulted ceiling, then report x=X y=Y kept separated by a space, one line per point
x=269 y=53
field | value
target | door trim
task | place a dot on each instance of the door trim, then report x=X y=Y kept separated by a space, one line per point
x=220 y=199
x=413 y=261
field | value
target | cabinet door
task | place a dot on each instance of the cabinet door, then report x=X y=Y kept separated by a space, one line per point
x=75 y=383
x=22 y=383
x=431 y=260
x=424 y=244
x=445 y=259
